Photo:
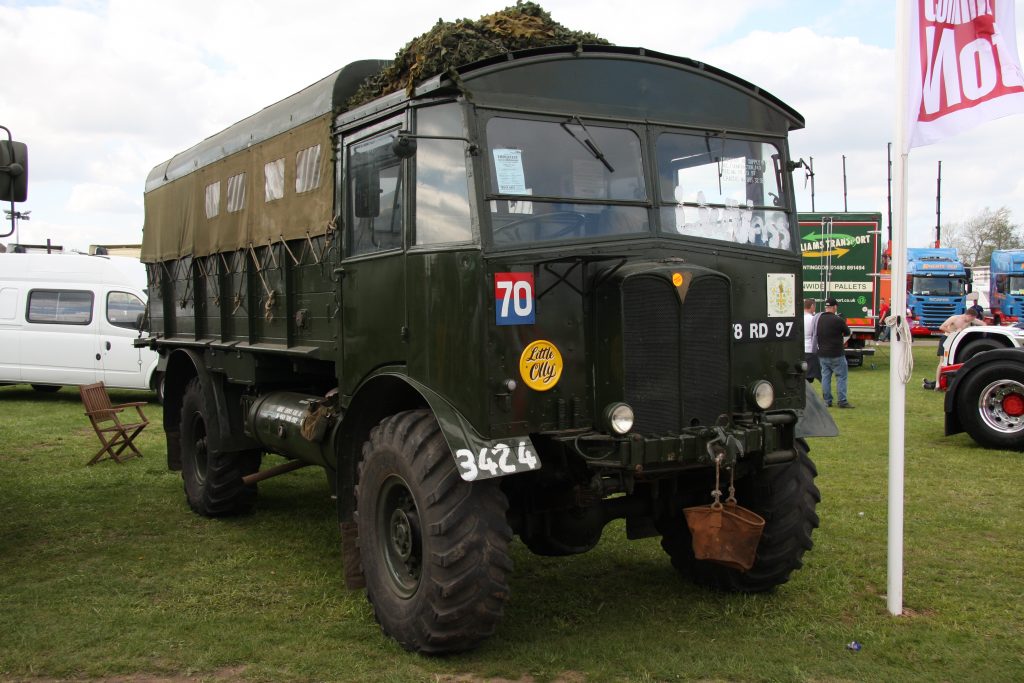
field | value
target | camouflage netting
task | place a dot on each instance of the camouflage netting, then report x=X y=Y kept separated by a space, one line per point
x=451 y=44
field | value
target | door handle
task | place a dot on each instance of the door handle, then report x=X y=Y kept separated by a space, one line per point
x=108 y=346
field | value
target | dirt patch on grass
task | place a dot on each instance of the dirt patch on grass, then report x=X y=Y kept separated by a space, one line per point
x=566 y=677
x=226 y=675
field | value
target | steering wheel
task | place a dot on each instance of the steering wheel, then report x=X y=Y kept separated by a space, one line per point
x=560 y=224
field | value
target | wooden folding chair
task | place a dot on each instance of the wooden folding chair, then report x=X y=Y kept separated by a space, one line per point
x=112 y=432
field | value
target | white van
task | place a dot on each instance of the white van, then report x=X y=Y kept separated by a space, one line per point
x=70 y=319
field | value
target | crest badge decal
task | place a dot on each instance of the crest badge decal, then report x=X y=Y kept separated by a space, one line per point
x=781 y=295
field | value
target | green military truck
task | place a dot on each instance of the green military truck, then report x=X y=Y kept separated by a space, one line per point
x=842 y=259
x=527 y=297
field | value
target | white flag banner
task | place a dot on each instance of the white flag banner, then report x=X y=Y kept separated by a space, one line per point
x=963 y=67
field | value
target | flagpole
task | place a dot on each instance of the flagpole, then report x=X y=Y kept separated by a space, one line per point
x=900 y=345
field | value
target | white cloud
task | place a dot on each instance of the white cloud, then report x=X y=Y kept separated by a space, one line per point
x=95 y=198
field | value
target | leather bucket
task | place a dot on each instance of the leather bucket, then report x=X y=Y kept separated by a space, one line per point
x=725 y=534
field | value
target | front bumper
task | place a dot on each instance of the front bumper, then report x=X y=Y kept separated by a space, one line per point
x=770 y=440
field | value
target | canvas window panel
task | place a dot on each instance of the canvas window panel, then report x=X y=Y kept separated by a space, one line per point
x=273 y=174
x=236 y=193
x=307 y=169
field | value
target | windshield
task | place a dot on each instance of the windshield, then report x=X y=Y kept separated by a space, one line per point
x=1016 y=285
x=564 y=180
x=938 y=286
x=723 y=189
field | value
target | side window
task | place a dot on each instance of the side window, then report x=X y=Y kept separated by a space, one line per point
x=375 y=207
x=60 y=307
x=236 y=193
x=213 y=199
x=307 y=169
x=124 y=309
x=273 y=175
x=442 y=182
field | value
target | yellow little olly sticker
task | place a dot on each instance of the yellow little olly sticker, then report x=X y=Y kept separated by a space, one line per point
x=540 y=365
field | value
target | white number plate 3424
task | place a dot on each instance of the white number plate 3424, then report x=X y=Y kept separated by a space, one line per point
x=496 y=460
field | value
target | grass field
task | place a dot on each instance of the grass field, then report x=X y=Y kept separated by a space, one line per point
x=105 y=573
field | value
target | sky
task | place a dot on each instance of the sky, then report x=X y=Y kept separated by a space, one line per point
x=103 y=91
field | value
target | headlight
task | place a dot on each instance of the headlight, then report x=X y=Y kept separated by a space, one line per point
x=619 y=418
x=764 y=394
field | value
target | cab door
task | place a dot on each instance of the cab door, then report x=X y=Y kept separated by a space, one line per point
x=372 y=273
x=120 y=361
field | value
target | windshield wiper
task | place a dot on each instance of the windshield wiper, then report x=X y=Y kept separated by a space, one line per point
x=587 y=142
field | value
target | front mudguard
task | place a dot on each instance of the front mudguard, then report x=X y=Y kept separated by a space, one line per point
x=815 y=419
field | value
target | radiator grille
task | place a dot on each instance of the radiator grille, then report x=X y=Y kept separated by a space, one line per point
x=676 y=357
x=705 y=350
x=935 y=313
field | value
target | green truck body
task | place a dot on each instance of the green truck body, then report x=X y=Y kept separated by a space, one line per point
x=842 y=259
x=550 y=290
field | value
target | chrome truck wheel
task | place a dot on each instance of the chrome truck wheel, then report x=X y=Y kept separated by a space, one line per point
x=991 y=405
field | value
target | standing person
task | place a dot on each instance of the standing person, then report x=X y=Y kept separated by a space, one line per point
x=979 y=312
x=810 y=346
x=883 y=329
x=831 y=334
x=951 y=326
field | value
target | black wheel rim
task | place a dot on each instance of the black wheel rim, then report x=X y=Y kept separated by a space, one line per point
x=398 y=528
x=199 y=451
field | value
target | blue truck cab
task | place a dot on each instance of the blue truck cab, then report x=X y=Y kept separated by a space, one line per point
x=1006 y=283
x=937 y=286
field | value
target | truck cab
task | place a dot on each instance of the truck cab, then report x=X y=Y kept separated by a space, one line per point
x=937 y=287
x=1006 y=283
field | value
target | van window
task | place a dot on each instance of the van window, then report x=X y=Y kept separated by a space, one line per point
x=124 y=309
x=61 y=307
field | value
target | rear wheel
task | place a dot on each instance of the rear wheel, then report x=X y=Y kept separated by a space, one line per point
x=991 y=405
x=434 y=548
x=213 y=479
x=786 y=496
x=158 y=387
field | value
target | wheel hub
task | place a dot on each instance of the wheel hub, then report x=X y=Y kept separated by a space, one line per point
x=1001 y=406
x=1013 y=405
x=398 y=526
x=401 y=534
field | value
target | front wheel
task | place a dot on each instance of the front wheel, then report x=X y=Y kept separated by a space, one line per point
x=213 y=479
x=786 y=496
x=434 y=548
x=976 y=346
x=991 y=405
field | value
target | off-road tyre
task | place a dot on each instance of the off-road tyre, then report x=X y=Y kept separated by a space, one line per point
x=990 y=404
x=434 y=548
x=786 y=496
x=213 y=480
